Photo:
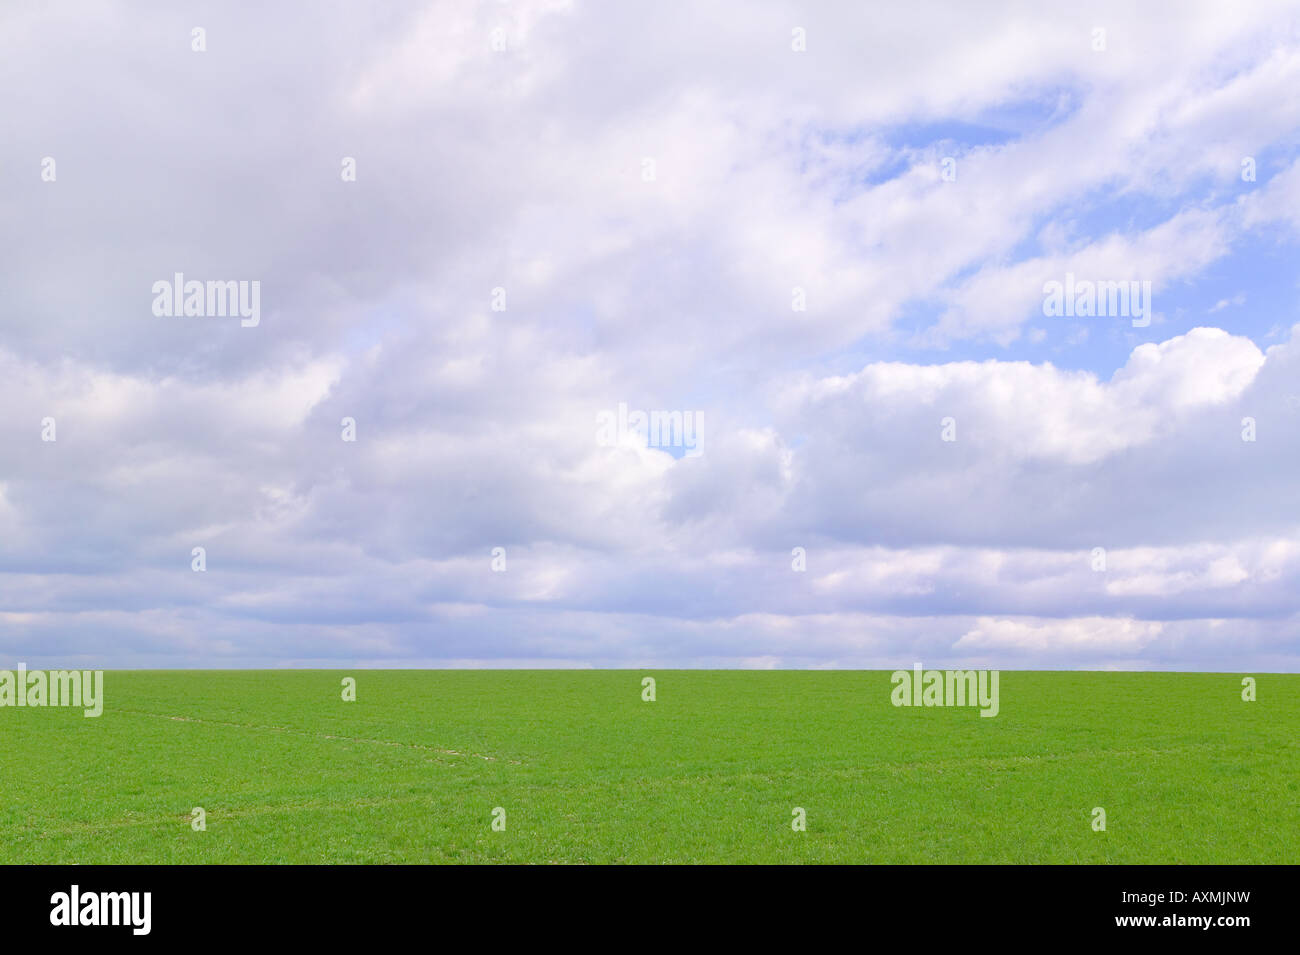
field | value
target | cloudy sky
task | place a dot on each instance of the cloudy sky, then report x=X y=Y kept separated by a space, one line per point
x=821 y=229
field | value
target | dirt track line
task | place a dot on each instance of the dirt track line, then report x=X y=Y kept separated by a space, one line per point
x=294 y=732
x=221 y=814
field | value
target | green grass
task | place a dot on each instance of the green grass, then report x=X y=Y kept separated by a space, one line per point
x=287 y=772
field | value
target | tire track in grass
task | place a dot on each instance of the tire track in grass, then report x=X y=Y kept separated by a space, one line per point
x=223 y=814
x=293 y=732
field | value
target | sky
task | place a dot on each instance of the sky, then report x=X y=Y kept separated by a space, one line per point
x=487 y=238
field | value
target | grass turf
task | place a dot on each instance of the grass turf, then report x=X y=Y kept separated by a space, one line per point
x=709 y=772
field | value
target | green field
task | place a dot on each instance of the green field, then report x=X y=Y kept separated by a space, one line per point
x=709 y=772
